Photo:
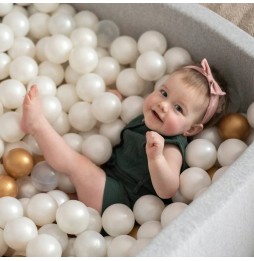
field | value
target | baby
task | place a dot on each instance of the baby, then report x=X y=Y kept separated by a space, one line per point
x=150 y=155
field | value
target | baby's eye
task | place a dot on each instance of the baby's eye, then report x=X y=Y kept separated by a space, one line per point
x=178 y=108
x=164 y=93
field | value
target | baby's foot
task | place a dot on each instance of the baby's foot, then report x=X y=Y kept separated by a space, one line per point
x=32 y=111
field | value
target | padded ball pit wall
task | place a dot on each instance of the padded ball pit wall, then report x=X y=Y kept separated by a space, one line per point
x=220 y=222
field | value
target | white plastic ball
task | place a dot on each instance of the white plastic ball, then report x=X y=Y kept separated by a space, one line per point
x=40 y=54
x=129 y=83
x=192 y=180
x=112 y=130
x=176 y=57
x=56 y=232
x=124 y=49
x=120 y=246
x=95 y=222
x=97 y=148
x=52 y=70
x=44 y=246
x=10 y=208
x=58 y=48
x=178 y=197
x=5 y=61
x=89 y=86
x=67 y=95
x=59 y=196
x=5 y=8
x=22 y=46
x=33 y=145
x=61 y=23
x=12 y=93
x=132 y=106
x=229 y=151
x=107 y=31
x=10 y=130
x=6 y=37
x=149 y=229
x=18 y=144
x=65 y=184
x=250 y=114
x=43 y=177
x=136 y=248
x=71 y=76
x=73 y=140
x=83 y=59
x=42 y=203
x=23 y=68
x=51 y=107
x=201 y=153
x=26 y=188
x=211 y=134
x=18 y=232
x=45 y=85
x=24 y=202
x=102 y=52
x=118 y=219
x=86 y=18
x=46 y=7
x=18 y=22
x=81 y=117
x=83 y=36
x=152 y=41
x=106 y=107
x=66 y=8
x=72 y=217
x=218 y=173
x=147 y=208
x=3 y=245
x=108 y=68
x=90 y=243
x=171 y=211
x=151 y=66
x=61 y=124
x=38 y=25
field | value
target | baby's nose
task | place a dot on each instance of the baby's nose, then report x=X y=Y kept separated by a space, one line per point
x=163 y=106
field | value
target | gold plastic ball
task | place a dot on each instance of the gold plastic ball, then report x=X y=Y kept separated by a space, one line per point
x=234 y=126
x=18 y=162
x=8 y=186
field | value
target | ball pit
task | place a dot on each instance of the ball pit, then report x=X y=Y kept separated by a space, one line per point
x=58 y=64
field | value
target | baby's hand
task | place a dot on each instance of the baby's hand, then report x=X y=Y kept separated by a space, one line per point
x=154 y=144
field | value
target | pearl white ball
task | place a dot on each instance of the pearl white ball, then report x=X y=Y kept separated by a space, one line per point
x=10 y=209
x=129 y=83
x=218 y=173
x=72 y=217
x=51 y=107
x=5 y=8
x=3 y=245
x=106 y=107
x=73 y=140
x=147 y=208
x=230 y=150
x=132 y=106
x=175 y=58
x=40 y=54
x=12 y=93
x=83 y=36
x=201 y=153
x=33 y=145
x=108 y=68
x=83 y=59
x=5 y=61
x=89 y=86
x=18 y=232
x=38 y=25
x=59 y=196
x=124 y=49
x=22 y=46
x=152 y=41
x=171 y=211
x=118 y=219
x=61 y=124
x=81 y=117
x=97 y=148
x=42 y=203
x=95 y=222
x=90 y=243
x=151 y=66
x=6 y=37
x=149 y=229
x=86 y=18
x=44 y=246
x=46 y=7
x=61 y=23
x=58 y=48
x=70 y=75
x=23 y=68
x=192 y=180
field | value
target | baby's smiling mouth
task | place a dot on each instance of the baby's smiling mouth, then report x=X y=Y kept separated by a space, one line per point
x=156 y=115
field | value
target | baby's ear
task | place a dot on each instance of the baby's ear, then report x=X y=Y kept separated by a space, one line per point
x=195 y=129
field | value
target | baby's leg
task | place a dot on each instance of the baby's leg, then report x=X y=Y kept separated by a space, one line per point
x=88 y=179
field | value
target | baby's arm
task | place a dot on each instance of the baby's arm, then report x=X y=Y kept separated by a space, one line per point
x=164 y=164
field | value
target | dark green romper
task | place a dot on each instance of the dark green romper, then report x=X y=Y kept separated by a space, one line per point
x=127 y=170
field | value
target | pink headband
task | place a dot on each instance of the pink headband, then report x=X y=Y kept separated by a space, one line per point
x=215 y=90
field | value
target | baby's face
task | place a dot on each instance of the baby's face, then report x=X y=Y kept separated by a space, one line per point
x=173 y=108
